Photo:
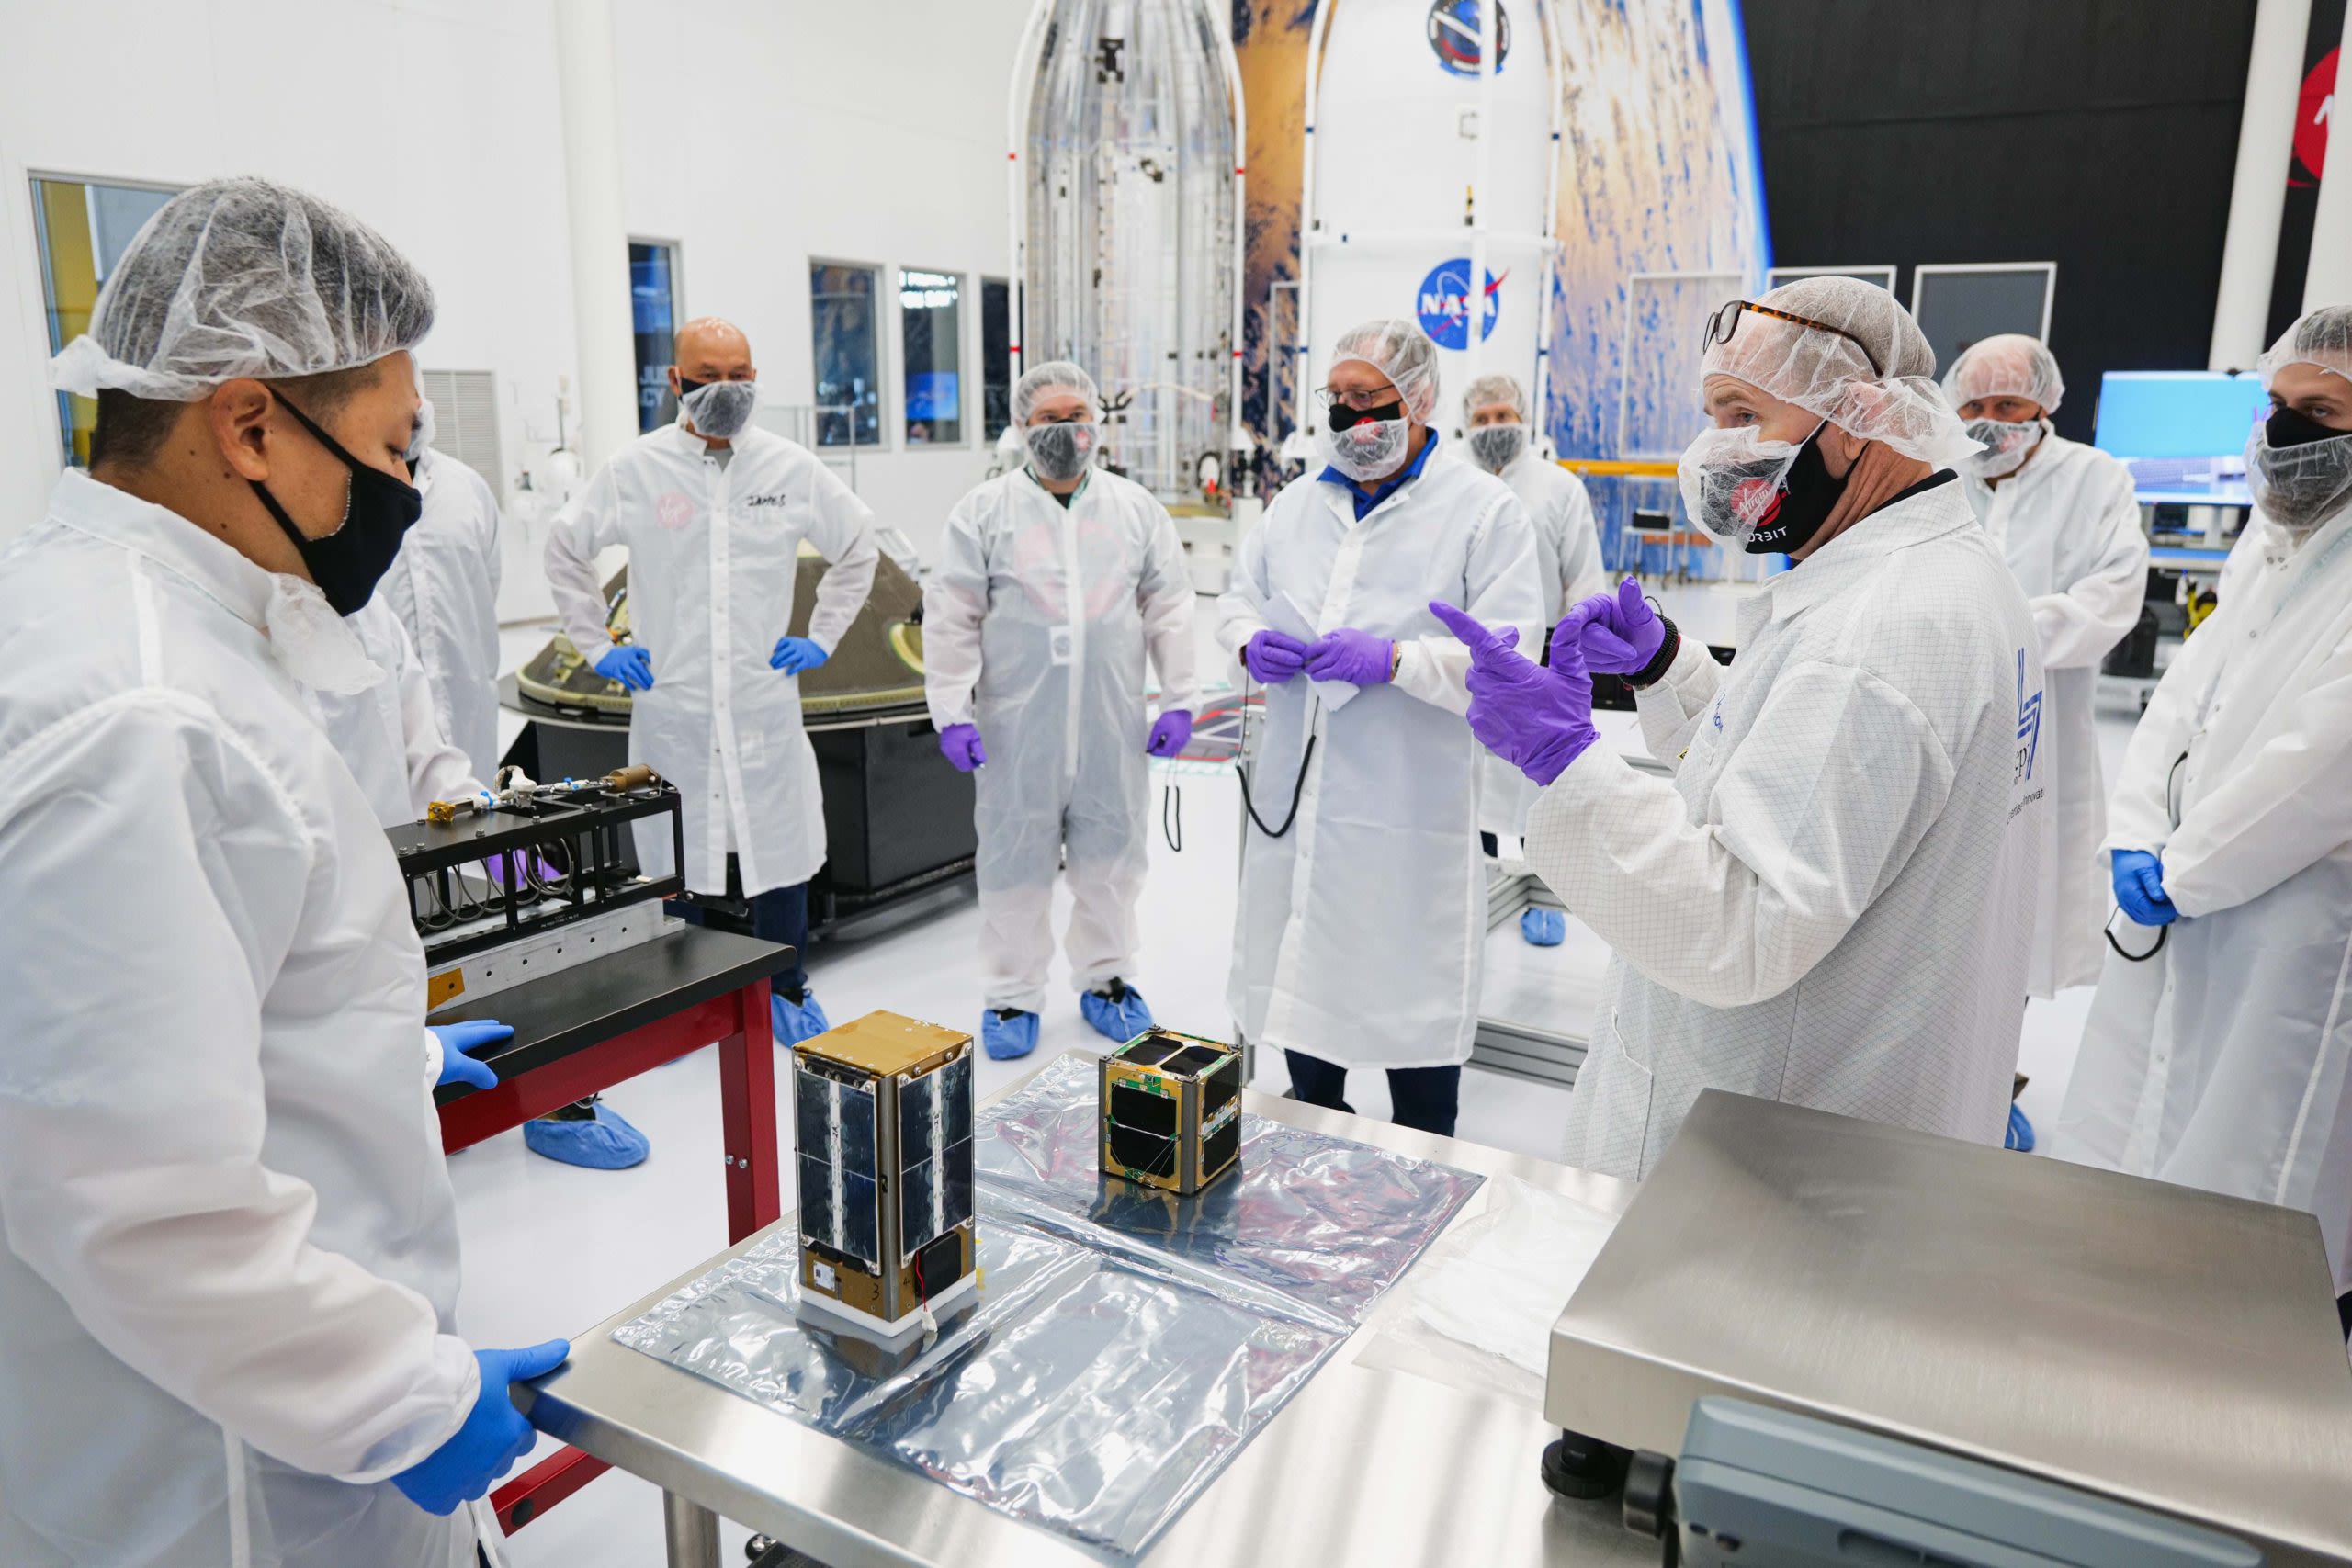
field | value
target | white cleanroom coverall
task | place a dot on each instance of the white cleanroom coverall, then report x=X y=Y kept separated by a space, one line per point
x=2069 y=524
x=713 y=558
x=443 y=588
x=1360 y=937
x=1832 y=903
x=2219 y=1062
x=230 y=1259
x=389 y=735
x=1036 y=624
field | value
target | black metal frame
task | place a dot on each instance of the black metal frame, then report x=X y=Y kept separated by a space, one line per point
x=583 y=825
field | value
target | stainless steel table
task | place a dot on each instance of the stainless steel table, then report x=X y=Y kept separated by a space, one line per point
x=2168 y=1348
x=1362 y=1466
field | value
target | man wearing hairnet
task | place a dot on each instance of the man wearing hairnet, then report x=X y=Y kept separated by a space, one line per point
x=443 y=588
x=230 y=1267
x=1567 y=568
x=1361 y=933
x=1832 y=901
x=2067 y=518
x=1053 y=582
x=2216 y=1051
x=713 y=510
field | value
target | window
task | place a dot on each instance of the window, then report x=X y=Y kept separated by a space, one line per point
x=930 y=322
x=996 y=358
x=83 y=229
x=847 y=343
x=653 y=309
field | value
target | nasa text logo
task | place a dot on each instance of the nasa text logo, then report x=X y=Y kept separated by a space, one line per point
x=1443 y=305
x=1454 y=36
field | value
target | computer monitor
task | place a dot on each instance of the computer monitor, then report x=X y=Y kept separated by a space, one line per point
x=2176 y=413
x=1882 y=275
x=1959 y=305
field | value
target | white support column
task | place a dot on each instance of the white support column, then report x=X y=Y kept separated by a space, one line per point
x=2274 y=77
x=601 y=309
x=2328 y=279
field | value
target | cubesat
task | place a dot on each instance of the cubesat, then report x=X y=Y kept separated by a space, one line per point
x=1171 y=1111
x=883 y=1109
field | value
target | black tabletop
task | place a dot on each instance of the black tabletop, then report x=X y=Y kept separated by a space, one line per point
x=584 y=1006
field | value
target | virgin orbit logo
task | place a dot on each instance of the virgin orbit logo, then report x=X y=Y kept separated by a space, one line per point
x=1443 y=304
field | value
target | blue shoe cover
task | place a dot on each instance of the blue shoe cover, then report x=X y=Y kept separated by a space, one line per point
x=1543 y=928
x=1118 y=1012
x=608 y=1143
x=795 y=1021
x=2020 y=1136
x=1008 y=1037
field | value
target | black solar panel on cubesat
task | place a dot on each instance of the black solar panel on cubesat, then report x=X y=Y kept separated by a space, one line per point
x=839 y=1206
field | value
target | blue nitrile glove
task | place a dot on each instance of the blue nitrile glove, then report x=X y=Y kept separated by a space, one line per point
x=2140 y=888
x=1355 y=657
x=797 y=655
x=493 y=1436
x=1536 y=717
x=459 y=1041
x=628 y=664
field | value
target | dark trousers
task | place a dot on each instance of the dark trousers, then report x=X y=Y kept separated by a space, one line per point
x=1426 y=1098
x=780 y=914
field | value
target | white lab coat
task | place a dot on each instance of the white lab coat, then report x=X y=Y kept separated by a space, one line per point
x=2069 y=524
x=389 y=735
x=443 y=588
x=1360 y=937
x=713 y=559
x=231 y=1248
x=1026 y=591
x=2219 y=1062
x=1831 y=903
x=1567 y=565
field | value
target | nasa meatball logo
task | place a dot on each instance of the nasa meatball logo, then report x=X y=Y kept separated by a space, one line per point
x=1443 y=304
x=673 y=511
x=1454 y=36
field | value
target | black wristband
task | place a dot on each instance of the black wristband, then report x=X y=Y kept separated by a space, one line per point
x=1655 y=671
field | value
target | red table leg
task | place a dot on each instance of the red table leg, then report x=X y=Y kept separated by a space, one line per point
x=747 y=1110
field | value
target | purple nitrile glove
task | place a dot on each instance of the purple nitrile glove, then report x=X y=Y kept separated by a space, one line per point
x=960 y=743
x=1356 y=657
x=1274 y=657
x=1170 y=733
x=1618 y=633
x=1537 y=718
x=2140 y=888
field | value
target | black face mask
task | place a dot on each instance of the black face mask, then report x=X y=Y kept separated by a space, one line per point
x=2286 y=427
x=1342 y=416
x=1806 y=499
x=349 y=562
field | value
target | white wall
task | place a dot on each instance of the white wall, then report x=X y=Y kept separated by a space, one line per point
x=758 y=133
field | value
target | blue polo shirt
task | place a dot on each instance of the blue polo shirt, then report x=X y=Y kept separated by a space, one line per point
x=1365 y=504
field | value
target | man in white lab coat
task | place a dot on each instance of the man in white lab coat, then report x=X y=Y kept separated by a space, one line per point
x=231 y=1262
x=2067 y=519
x=1359 y=938
x=443 y=588
x=2216 y=1052
x=1831 y=903
x=1567 y=566
x=714 y=510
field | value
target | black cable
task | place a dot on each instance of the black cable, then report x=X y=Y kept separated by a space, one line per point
x=2108 y=932
x=1298 y=793
x=1176 y=839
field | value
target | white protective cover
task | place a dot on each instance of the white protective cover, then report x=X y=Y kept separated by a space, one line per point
x=1832 y=902
x=232 y=1263
x=1360 y=936
x=2219 y=1062
x=712 y=554
x=1036 y=624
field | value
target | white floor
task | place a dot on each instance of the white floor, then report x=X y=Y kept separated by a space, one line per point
x=550 y=1250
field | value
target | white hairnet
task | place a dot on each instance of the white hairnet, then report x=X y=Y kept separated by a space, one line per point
x=1400 y=350
x=244 y=278
x=2006 y=365
x=1821 y=369
x=1054 y=376
x=2322 y=338
x=1488 y=390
